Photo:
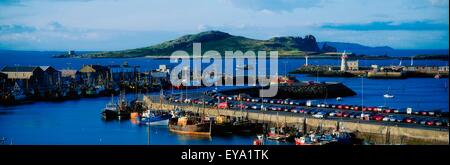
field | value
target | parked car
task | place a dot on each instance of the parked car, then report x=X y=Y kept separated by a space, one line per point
x=430 y=122
x=319 y=115
x=345 y=114
x=410 y=120
x=423 y=122
x=438 y=122
x=331 y=114
x=255 y=107
x=256 y=100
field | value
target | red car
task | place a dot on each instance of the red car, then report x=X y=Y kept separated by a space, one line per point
x=430 y=123
x=378 y=117
x=409 y=120
x=388 y=111
x=345 y=114
x=347 y=107
x=370 y=108
x=339 y=106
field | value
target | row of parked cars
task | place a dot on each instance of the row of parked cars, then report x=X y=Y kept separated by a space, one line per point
x=317 y=111
x=379 y=109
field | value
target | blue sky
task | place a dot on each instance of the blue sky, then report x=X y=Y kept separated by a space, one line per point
x=120 y=24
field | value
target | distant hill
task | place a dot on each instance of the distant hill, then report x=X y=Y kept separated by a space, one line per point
x=219 y=41
x=355 y=48
x=384 y=50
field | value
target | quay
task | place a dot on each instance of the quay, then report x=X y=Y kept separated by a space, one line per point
x=375 y=132
x=351 y=68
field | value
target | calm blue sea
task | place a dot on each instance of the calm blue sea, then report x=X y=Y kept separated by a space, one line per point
x=79 y=121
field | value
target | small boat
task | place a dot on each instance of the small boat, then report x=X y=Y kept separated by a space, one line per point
x=304 y=140
x=259 y=140
x=437 y=76
x=273 y=135
x=338 y=98
x=154 y=118
x=388 y=96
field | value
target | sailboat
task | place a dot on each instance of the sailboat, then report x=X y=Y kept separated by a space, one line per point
x=388 y=95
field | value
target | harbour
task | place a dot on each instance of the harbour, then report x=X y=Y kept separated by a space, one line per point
x=21 y=122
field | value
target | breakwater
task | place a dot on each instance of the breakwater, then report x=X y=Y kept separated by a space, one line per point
x=375 y=133
x=302 y=90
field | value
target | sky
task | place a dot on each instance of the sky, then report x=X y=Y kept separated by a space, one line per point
x=125 y=24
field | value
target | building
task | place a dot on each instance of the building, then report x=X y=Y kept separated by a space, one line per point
x=68 y=74
x=94 y=74
x=160 y=75
x=51 y=77
x=353 y=65
x=27 y=77
x=123 y=72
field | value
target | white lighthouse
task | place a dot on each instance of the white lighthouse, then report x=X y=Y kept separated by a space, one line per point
x=344 y=62
x=306 y=60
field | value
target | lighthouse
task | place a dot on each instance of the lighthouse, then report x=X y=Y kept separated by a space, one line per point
x=306 y=60
x=344 y=62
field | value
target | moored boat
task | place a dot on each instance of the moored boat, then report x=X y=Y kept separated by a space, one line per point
x=154 y=118
x=190 y=125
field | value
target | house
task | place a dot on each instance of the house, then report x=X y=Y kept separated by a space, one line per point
x=68 y=74
x=353 y=65
x=52 y=77
x=94 y=74
x=26 y=76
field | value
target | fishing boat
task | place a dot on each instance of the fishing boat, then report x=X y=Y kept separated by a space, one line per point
x=279 y=136
x=304 y=140
x=110 y=111
x=123 y=108
x=190 y=126
x=222 y=125
x=154 y=118
x=315 y=138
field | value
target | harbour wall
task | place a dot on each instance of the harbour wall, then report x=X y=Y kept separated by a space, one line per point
x=374 y=133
